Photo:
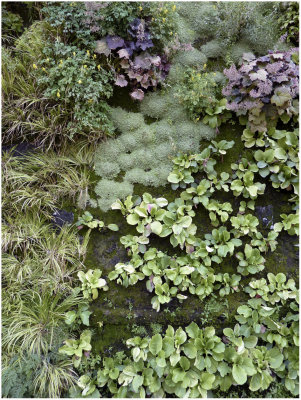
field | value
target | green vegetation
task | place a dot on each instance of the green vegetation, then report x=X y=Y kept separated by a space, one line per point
x=150 y=192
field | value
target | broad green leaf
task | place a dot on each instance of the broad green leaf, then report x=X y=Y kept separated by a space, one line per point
x=137 y=382
x=156 y=227
x=190 y=350
x=155 y=344
x=192 y=330
x=239 y=374
x=132 y=219
x=113 y=227
x=70 y=317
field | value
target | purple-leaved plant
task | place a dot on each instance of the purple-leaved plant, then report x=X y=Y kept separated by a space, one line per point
x=264 y=89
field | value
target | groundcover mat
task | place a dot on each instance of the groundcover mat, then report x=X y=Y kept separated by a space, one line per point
x=150 y=178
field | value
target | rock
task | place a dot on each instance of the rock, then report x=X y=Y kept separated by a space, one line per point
x=265 y=215
x=62 y=217
x=19 y=149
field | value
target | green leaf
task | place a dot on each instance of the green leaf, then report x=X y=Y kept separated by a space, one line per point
x=253 y=189
x=239 y=374
x=255 y=383
x=156 y=227
x=250 y=342
x=207 y=380
x=192 y=330
x=161 y=202
x=168 y=346
x=132 y=219
x=113 y=227
x=70 y=317
x=190 y=350
x=155 y=344
x=137 y=382
x=173 y=178
x=84 y=316
x=174 y=359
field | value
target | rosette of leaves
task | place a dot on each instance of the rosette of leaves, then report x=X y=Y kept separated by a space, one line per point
x=187 y=164
x=134 y=244
x=265 y=244
x=228 y=283
x=88 y=220
x=264 y=160
x=147 y=214
x=77 y=347
x=221 y=147
x=184 y=166
x=263 y=89
x=181 y=229
x=277 y=288
x=127 y=274
x=198 y=193
x=264 y=360
x=290 y=223
x=126 y=206
x=258 y=317
x=87 y=386
x=221 y=243
x=202 y=282
x=245 y=185
x=250 y=261
x=82 y=314
x=285 y=172
x=91 y=282
x=222 y=210
x=109 y=371
x=217 y=114
x=244 y=225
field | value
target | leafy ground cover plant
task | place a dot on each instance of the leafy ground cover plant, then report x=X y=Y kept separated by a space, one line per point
x=263 y=90
x=202 y=98
x=91 y=282
x=126 y=38
x=196 y=361
x=88 y=220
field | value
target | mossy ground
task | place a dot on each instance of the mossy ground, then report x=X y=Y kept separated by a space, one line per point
x=120 y=309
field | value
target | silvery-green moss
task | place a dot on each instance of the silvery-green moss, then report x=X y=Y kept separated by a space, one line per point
x=191 y=58
x=143 y=155
x=107 y=169
x=124 y=120
x=213 y=49
x=199 y=16
x=236 y=51
x=107 y=189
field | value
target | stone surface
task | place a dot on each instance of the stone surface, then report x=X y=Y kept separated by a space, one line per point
x=62 y=217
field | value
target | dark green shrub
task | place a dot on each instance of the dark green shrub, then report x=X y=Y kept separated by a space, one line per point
x=74 y=78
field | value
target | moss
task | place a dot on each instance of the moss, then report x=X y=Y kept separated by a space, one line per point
x=143 y=152
x=236 y=51
x=213 y=49
x=190 y=58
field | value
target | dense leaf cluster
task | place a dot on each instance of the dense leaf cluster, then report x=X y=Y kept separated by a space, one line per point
x=264 y=89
